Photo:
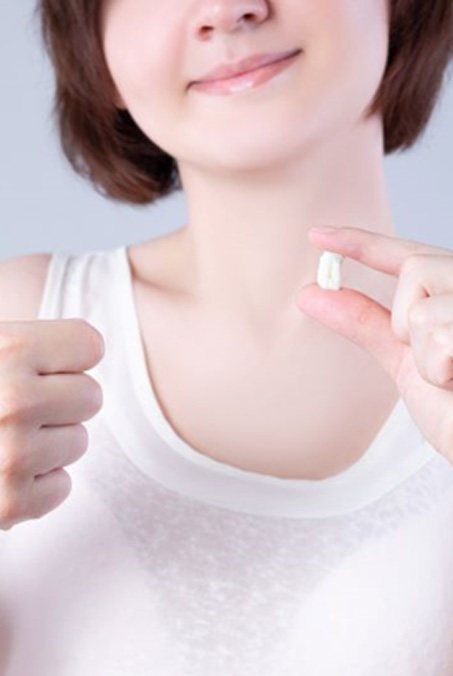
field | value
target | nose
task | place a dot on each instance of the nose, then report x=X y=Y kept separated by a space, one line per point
x=230 y=15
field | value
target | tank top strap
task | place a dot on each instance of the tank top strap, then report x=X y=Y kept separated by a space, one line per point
x=77 y=285
x=53 y=292
x=81 y=285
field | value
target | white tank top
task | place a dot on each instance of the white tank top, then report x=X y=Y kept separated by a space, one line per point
x=165 y=561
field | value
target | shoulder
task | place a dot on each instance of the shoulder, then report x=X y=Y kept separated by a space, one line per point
x=162 y=263
x=22 y=280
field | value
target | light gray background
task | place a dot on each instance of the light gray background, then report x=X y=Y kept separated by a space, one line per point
x=46 y=207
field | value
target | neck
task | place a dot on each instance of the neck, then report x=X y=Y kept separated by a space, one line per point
x=246 y=244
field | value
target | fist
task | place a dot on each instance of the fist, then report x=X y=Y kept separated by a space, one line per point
x=45 y=396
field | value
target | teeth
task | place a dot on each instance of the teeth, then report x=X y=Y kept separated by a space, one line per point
x=329 y=270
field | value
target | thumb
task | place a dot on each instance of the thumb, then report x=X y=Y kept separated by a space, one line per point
x=357 y=317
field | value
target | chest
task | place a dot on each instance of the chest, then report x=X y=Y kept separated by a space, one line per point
x=302 y=408
x=122 y=617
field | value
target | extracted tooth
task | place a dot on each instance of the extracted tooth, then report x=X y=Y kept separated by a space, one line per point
x=329 y=270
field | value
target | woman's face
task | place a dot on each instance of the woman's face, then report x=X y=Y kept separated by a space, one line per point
x=155 y=48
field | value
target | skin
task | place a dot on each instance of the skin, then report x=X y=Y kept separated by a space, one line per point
x=259 y=168
x=413 y=340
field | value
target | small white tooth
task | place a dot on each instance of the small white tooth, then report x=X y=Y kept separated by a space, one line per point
x=329 y=270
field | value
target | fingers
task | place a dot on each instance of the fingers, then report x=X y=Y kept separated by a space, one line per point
x=65 y=399
x=56 y=447
x=34 y=479
x=385 y=253
x=432 y=344
x=48 y=492
x=77 y=346
x=54 y=345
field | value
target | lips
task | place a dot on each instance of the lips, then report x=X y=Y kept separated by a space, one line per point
x=245 y=66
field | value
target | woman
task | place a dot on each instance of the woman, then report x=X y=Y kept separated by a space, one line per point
x=257 y=497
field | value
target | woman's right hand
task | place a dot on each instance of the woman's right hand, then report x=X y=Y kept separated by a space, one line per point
x=44 y=397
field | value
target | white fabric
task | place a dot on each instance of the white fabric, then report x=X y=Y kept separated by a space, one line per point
x=163 y=561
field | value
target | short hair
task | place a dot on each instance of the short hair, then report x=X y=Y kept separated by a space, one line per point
x=104 y=144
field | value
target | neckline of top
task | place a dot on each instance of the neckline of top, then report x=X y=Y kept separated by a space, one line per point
x=397 y=451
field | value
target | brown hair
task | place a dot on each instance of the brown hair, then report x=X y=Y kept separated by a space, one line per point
x=105 y=145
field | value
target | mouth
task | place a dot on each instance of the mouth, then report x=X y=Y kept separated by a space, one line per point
x=247 y=65
x=248 y=79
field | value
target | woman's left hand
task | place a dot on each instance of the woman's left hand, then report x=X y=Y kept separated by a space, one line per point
x=414 y=340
